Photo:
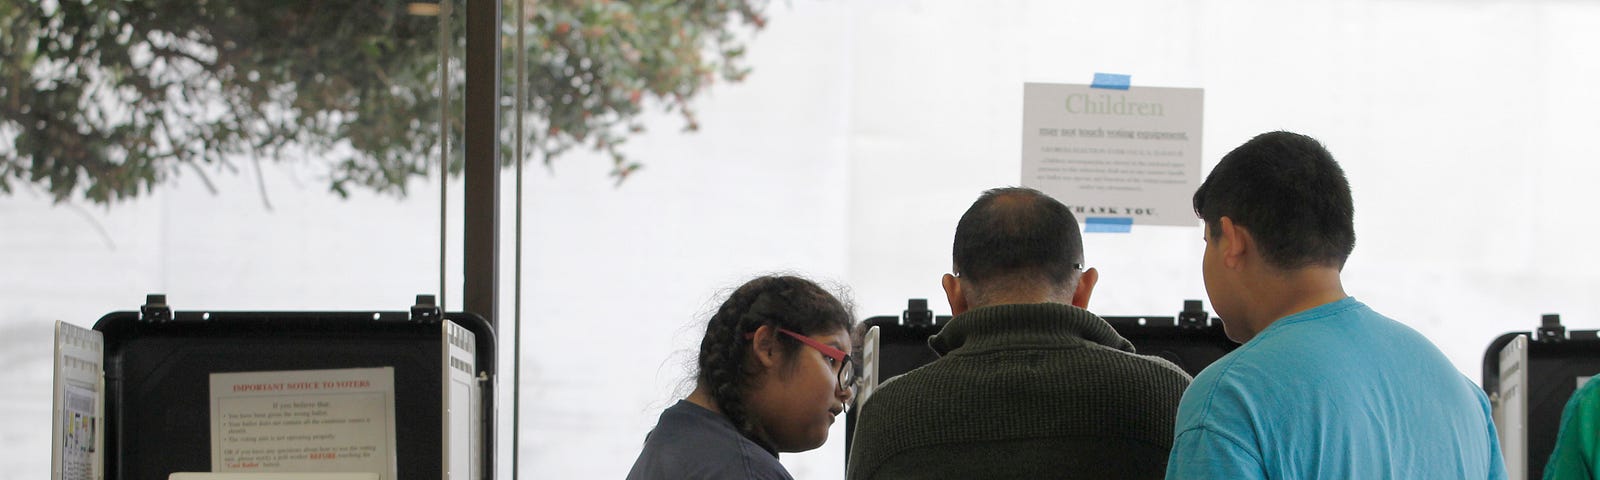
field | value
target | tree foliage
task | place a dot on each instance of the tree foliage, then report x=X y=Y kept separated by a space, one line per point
x=107 y=99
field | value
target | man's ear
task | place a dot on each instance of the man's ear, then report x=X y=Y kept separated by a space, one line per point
x=1080 y=297
x=953 y=294
x=1235 y=243
x=764 y=347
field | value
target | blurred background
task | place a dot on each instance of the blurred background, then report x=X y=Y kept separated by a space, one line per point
x=289 y=160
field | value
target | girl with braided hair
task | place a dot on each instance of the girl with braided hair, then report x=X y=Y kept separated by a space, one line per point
x=774 y=373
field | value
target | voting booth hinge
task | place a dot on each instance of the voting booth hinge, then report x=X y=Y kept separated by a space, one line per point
x=1550 y=329
x=917 y=313
x=426 y=310
x=155 y=309
x=1194 y=315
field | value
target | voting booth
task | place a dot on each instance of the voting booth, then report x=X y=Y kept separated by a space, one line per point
x=1529 y=376
x=160 y=393
x=894 y=345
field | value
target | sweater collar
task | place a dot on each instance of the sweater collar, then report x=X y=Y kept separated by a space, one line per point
x=1000 y=326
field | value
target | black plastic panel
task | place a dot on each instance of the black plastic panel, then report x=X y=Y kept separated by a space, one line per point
x=158 y=379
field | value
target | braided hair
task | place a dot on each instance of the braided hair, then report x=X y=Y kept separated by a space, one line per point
x=788 y=302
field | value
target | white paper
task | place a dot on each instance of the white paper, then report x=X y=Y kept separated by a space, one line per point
x=304 y=421
x=78 y=407
x=1108 y=153
x=1511 y=407
x=462 y=422
x=869 y=366
x=271 y=476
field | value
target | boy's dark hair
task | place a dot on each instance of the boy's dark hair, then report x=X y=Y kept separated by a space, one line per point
x=1018 y=234
x=1292 y=196
x=789 y=302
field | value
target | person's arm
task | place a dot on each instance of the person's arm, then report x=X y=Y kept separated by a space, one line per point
x=1201 y=452
x=1577 y=452
x=1497 y=459
x=874 y=419
x=863 y=457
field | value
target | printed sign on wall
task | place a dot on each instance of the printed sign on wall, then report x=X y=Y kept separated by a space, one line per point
x=1119 y=156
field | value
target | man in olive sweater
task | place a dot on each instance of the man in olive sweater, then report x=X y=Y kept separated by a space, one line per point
x=1029 y=384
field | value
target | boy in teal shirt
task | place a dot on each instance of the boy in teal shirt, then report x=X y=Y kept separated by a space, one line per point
x=1323 y=387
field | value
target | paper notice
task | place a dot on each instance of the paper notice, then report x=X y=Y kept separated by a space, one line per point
x=1130 y=156
x=304 y=421
x=461 y=395
x=77 y=404
x=1511 y=407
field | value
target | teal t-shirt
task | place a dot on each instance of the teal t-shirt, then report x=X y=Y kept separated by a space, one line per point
x=1335 y=392
x=1577 y=453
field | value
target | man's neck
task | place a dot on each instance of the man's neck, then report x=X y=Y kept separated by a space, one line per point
x=1021 y=298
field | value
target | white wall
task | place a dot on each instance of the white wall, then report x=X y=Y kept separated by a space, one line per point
x=864 y=132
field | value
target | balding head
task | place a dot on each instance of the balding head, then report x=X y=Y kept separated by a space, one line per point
x=1018 y=242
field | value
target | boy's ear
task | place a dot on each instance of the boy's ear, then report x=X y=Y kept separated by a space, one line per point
x=1235 y=243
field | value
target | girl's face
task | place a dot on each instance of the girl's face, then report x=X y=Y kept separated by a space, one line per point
x=798 y=397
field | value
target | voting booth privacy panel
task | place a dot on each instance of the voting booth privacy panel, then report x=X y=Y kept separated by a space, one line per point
x=1192 y=340
x=1529 y=376
x=403 y=394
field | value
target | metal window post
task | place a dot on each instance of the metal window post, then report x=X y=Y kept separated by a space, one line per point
x=481 y=230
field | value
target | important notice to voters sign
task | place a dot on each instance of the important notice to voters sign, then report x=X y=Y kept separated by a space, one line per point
x=1123 y=155
x=304 y=421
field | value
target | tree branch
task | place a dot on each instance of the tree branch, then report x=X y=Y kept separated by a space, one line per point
x=203 y=178
x=261 y=183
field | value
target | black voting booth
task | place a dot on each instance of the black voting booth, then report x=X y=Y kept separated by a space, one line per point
x=158 y=362
x=1556 y=359
x=1192 y=340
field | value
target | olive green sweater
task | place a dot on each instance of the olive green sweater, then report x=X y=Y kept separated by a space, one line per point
x=1023 y=391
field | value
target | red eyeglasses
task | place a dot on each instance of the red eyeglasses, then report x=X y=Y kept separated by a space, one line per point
x=849 y=370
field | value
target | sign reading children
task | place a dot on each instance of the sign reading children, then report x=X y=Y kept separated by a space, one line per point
x=1117 y=155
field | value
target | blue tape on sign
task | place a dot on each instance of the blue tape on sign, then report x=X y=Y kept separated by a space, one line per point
x=1112 y=81
x=1107 y=224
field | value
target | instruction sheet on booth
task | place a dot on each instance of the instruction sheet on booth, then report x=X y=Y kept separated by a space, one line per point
x=304 y=421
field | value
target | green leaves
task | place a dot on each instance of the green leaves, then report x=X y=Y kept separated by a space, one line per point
x=596 y=64
x=104 y=100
